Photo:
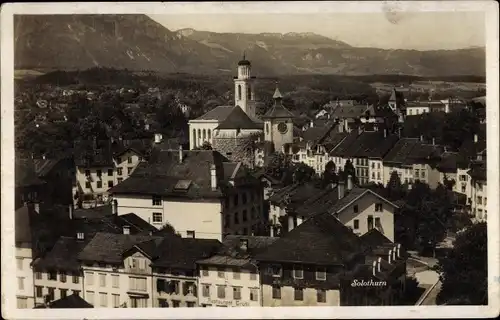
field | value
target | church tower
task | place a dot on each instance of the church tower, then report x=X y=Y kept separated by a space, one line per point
x=278 y=125
x=244 y=94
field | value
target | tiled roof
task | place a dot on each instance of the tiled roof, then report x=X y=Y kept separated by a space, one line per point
x=319 y=203
x=449 y=161
x=342 y=149
x=218 y=113
x=44 y=166
x=237 y=119
x=278 y=110
x=182 y=253
x=478 y=171
x=230 y=253
x=139 y=146
x=72 y=301
x=352 y=195
x=93 y=154
x=25 y=173
x=322 y=239
x=423 y=152
x=375 y=238
x=295 y=194
x=92 y=213
x=355 y=111
x=63 y=256
x=109 y=247
x=401 y=150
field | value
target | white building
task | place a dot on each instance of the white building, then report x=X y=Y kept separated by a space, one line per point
x=24 y=258
x=231 y=277
x=200 y=193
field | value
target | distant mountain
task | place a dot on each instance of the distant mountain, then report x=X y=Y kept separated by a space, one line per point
x=137 y=42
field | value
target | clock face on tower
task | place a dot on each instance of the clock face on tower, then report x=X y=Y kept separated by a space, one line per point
x=282 y=128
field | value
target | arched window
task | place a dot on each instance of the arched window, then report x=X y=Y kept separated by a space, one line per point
x=267 y=127
x=239 y=92
x=204 y=134
x=209 y=134
x=249 y=93
x=199 y=137
x=194 y=137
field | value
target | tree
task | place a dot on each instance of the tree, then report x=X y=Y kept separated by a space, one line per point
x=303 y=173
x=166 y=229
x=464 y=273
x=278 y=166
x=330 y=176
x=394 y=187
x=205 y=146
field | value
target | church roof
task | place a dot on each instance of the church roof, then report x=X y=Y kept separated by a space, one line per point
x=277 y=94
x=219 y=113
x=238 y=119
x=278 y=110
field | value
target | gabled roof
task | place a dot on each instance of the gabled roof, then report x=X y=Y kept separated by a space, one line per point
x=294 y=194
x=218 y=113
x=63 y=256
x=375 y=238
x=350 y=112
x=44 y=166
x=72 y=301
x=140 y=146
x=353 y=195
x=109 y=247
x=25 y=174
x=401 y=150
x=182 y=253
x=93 y=153
x=342 y=149
x=237 y=119
x=322 y=239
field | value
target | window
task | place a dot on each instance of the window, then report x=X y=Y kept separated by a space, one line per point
x=110 y=184
x=103 y=299
x=51 y=293
x=90 y=297
x=377 y=223
x=355 y=208
x=76 y=292
x=114 y=281
x=422 y=174
x=115 y=300
x=221 y=292
x=320 y=274
x=236 y=293
x=176 y=303
x=370 y=222
x=89 y=277
x=236 y=274
x=38 y=291
x=378 y=207
x=62 y=276
x=254 y=294
x=119 y=171
x=19 y=262
x=110 y=172
x=99 y=184
x=321 y=295
x=236 y=218
x=253 y=276
x=479 y=200
x=245 y=217
x=156 y=201
x=206 y=290
x=220 y=273
x=87 y=185
x=99 y=173
x=276 y=292
x=87 y=173
x=102 y=280
x=22 y=303
x=137 y=284
x=275 y=271
x=38 y=275
x=129 y=170
x=157 y=217
x=463 y=188
x=190 y=234
x=20 y=283
x=235 y=200
x=52 y=275
x=204 y=271
x=129 y=160
x=298 y=294
x=138 y=303
x=190 y=304
x=298 y=273
x=356 y=224
x=63 y=293
x=76 y=279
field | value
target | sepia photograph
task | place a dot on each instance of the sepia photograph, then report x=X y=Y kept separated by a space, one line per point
x=173 y=156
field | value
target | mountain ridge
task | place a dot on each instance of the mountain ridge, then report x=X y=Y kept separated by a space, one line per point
x=137 y=42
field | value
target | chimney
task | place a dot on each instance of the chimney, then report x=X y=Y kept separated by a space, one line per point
x=70 y=210
x=445 y=149
x=394 y=254
x=244 y=245
x=213 y=177
x=311 y=124
x=360 y=129
x=433 y=141
x=389 y=256
x=158 y=137
x=43 y=156
x=114 y=207
x=475 y=138
x=126 y=229
x=374 y=268
x=379 y=262
x=80 y=236
x=180 y=153
x=349 y=182
x=398 y=250
x=36 y=207
x=421 y=138
x=385 y=133
x=341 y=189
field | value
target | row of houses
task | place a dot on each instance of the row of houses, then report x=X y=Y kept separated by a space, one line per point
x=315 y=264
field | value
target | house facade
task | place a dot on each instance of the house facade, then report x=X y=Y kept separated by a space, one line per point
x=24 y=256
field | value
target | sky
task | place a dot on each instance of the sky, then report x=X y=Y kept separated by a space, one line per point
x=404 y=30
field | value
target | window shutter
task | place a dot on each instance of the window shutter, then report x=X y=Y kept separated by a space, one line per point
x=195 y=290
x=160 y=284
x=185 y=288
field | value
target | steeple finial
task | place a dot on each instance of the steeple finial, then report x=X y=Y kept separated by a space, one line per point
x=277 y=94
x=243 y=55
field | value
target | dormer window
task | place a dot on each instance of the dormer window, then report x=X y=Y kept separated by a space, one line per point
x=298 y=272
x=275 y=271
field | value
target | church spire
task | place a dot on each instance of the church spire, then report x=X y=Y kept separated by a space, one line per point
x=277 y=94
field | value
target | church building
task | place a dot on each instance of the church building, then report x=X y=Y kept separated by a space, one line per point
x=236 y=131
